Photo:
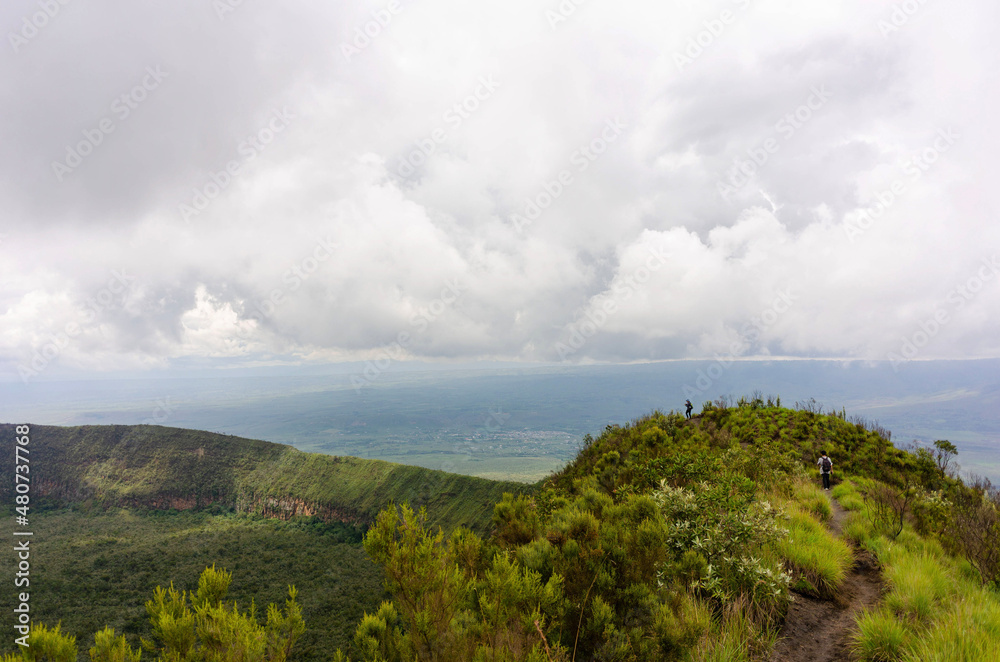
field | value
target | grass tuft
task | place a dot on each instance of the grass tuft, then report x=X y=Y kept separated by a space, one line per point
x=880 y=637
x=846 y=493
x=970 y=631
x=812 y=499
x=812 y=550
x=736 y=639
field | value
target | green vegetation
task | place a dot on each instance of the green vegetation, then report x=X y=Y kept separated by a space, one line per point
x=187 y=626
x=99 y=568
x=156 y=467
x=668 y=539
x=880 y=637
x=117 y=510
x=939 y=605
x=821 y=558
x=664 y=539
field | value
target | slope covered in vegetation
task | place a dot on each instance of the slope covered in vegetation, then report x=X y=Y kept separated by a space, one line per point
x=674 y=539
x=118 y=510
x=150 y=466
x=670 y=539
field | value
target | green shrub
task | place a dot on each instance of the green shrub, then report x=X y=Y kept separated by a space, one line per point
x=730 y=530
x=47 y=645
x=931 y=513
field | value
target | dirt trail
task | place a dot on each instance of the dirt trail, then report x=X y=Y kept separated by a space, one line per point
x=820 y=630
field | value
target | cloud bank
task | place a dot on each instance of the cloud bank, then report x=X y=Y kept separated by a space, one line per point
x=570 y=181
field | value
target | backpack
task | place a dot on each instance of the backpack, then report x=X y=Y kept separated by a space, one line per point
x=826 y=464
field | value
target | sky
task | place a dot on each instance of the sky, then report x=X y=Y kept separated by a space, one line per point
x=229 y=182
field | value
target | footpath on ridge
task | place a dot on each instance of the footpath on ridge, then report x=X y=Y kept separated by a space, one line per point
x=820 y=630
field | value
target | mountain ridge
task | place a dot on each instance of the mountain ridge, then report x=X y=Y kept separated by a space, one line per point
x=157 y=467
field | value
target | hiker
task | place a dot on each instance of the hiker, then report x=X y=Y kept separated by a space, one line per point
x=688 y=408
x=825 y=464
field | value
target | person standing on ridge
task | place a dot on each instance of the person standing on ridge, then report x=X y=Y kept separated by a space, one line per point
x=825 y=465
x=688 y=407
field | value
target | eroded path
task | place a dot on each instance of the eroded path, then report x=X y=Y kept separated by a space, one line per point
x=820 y=629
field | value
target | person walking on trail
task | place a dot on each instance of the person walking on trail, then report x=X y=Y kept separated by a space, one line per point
x=825 y=465
x=688 y=408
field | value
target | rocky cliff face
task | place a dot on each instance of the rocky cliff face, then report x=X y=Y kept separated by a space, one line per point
x=284 y=508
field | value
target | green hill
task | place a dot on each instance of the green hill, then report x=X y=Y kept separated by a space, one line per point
x=675 y=539
x=149 y=466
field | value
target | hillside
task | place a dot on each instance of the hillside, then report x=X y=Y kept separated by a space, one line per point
x=149 y=466
x=118 y=510
x=707 y=539
x=702 y=539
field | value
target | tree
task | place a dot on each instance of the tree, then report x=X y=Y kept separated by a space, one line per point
x=187 y=627
x=201 y=627
x=943 y=454
x=45 y=645
x=450 y=602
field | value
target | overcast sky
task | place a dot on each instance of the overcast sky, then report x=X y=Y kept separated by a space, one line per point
x=520 y=180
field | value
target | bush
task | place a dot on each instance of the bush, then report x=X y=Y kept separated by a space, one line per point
x=976 y=520
x=187 y=627
x=725 y=525
x=886 y=506
x=931 y=512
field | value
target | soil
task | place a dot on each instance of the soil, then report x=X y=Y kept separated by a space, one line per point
x=820 y=630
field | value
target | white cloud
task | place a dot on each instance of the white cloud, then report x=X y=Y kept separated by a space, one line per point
x=333 y=176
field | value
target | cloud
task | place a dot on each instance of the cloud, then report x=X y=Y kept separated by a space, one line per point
x=273 y=197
